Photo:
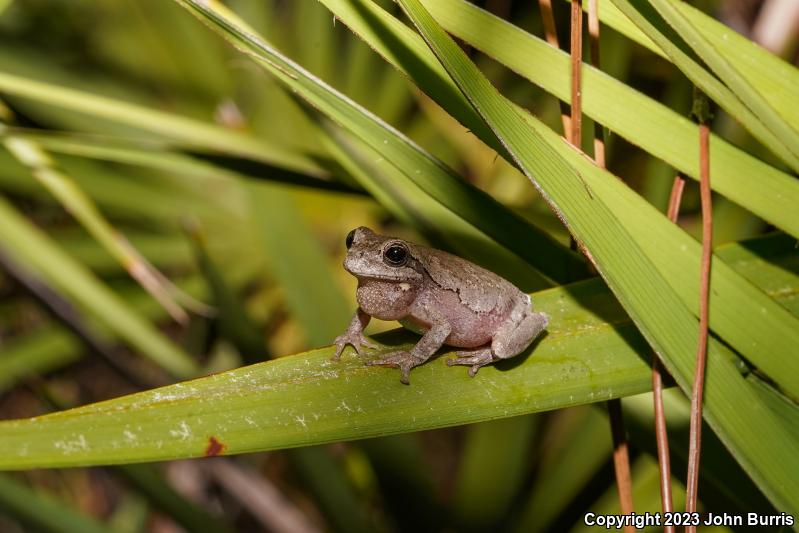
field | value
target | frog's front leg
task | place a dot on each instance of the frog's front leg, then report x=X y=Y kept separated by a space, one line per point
x=429 y=344
x=354 y=335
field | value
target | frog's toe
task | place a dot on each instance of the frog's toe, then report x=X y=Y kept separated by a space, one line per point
x=339 y=349
x=341 y=342
x=473 y=370
x=482 y=356
x=354 y=340
x=358 y=349
x=452 y=361
x=475 y=359
x=405 y=361
x=368 y=343
x=390 y=359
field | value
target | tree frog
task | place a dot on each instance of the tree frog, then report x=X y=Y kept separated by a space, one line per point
x=446 y=299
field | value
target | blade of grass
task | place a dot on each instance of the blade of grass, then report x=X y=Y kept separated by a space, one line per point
x=589 y=354
x=44 y=512
x=194 y=132
x=724 y=66
x=51 y=347
x=753 y=260
x=164 y=157
x=78 y=204
x=301 y=267
x=231 y=315
x=771 y=197
x=130 y=199
x=772 y=105
x=405 y=481
x=67 y=315
x=493 y=465
x=772 y=133
x=32 y=248
x=164 y=251
x=734 y=430
x=577 y=450
x=775 y=79
x=337 y=500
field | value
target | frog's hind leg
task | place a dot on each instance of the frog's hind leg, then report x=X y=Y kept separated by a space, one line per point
x=515 y=336
x=473 y=358
x=522 y=327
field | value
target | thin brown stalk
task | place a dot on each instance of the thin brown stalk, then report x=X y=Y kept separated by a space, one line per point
x=548 y=18
x=661 y=435
x=664 y=461
x=551 y=35
x=593 y=41
x=695 y=438
x=675 y=198
x=574 y=129
x=621 y=459
x=575 y=132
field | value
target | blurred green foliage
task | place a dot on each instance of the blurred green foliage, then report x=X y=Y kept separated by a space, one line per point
x=136 y=140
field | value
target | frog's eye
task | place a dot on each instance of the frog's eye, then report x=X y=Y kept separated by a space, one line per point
x=349 y=239
x=396 y=254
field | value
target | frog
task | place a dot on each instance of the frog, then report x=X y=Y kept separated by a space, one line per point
x=446 y=299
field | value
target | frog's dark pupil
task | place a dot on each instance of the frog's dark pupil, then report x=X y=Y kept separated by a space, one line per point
x=396 y=254
x=350 y=238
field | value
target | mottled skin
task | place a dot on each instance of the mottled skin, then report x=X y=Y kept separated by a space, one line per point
x=441 y=296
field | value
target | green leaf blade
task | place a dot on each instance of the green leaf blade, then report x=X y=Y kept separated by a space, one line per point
x=590 y=353
x=771 y=196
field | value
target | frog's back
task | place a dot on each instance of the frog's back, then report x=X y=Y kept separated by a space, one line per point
x=479 y=289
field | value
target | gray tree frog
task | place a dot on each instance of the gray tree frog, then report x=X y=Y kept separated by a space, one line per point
x=446 y=299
